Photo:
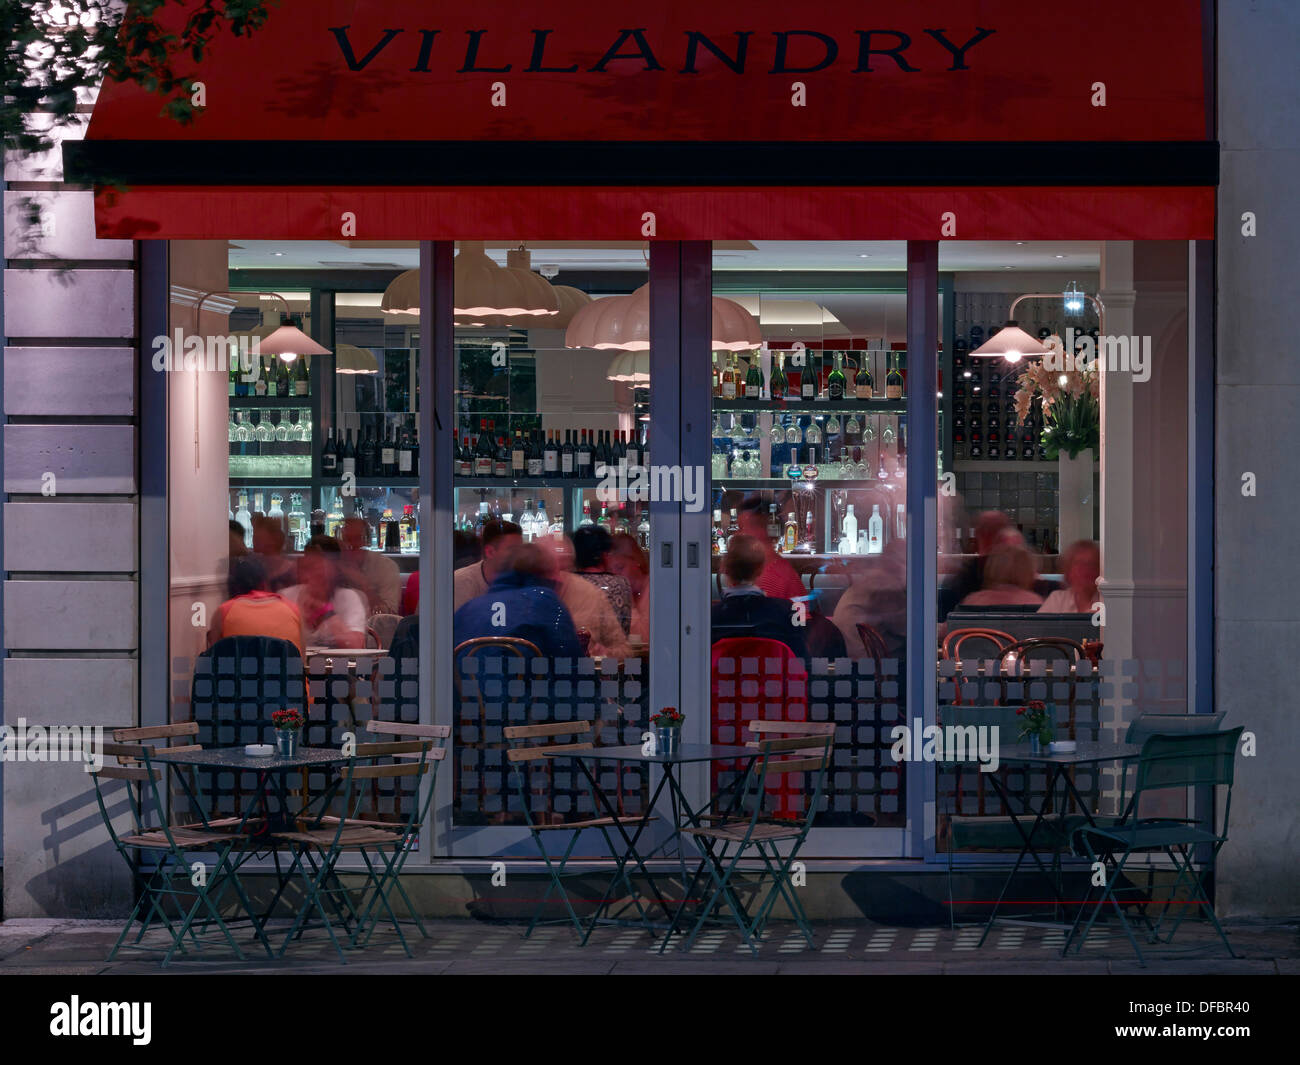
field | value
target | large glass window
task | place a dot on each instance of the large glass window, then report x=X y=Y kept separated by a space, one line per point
x=809 y=474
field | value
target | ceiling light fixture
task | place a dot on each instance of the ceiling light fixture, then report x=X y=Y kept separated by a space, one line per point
x=1013 y=343
x=351 y=359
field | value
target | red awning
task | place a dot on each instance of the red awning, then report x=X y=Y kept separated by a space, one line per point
x=415 y=95
x=727 y=213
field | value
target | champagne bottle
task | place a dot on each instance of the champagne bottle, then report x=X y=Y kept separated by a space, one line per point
x=835 y=383
x=893 y=380
x=777 y=386
x=753 y=379
x=863 y=386
x=300 y=378
x=808 y=379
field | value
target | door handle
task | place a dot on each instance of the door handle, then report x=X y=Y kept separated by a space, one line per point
x=666 y=554
x=693 y=555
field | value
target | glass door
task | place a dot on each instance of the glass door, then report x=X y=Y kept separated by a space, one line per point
x=808 y=520
x=551 y=537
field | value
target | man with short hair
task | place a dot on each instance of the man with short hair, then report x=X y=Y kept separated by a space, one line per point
x=497 y=540
x=778 y=578
x=744 y=610
x=520 y=602
x=374 y=575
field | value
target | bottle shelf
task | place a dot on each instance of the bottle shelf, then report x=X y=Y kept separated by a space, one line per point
x=816 y=406
x=759 y=484
x=526 y=482
x=280 y=402
x=1006 y=466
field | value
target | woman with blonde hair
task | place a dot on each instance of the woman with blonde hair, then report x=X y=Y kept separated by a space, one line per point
x=1009 y=574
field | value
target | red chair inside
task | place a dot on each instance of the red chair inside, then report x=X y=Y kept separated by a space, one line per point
x=757 y=679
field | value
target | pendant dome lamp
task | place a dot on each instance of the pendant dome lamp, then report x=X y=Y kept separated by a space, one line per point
x=484 y=293
x=350 y=359
x=734 y=328
x=614 y=323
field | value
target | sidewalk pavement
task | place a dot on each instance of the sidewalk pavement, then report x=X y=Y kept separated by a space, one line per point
x=466 y=946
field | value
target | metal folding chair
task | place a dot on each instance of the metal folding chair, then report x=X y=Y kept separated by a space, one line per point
x=1167 y=761
x=323 y=842
x=173 y=878
x=526 y=759
x=806 y=750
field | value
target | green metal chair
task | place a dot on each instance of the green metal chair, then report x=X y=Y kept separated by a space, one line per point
x=995 y=832
x=1167 y=762
x=173 y=878
x=729 y=838
x=523 y=759
x=326 y=838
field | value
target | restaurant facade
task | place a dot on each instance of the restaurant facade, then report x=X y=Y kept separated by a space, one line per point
x=682 y=274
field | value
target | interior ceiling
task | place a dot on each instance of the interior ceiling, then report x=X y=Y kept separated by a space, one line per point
x=1067 y=257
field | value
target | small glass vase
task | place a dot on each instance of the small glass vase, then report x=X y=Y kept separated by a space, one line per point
x=286 y=742
x=668 y=741
x=1035 y=743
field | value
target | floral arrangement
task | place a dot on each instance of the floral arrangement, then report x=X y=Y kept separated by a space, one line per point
x=288 y=720
x=1038 y=721
x=668 y=717
x=1071 y=404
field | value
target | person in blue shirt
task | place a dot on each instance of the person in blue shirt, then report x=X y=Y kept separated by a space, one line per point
x=521 y=602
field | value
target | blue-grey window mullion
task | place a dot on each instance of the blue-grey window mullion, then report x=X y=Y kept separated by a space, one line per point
x=436 y=378
x=664 y=447
x=922 y=527
x=1200 y=498
x=155 y=662
x=695 y=349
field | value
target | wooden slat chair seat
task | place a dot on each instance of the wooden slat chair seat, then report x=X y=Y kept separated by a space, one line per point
x=523 y=758
x=785 y=748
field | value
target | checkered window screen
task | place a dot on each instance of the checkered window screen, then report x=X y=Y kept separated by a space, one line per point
x=1093 y=703
x=494 y=691
x=864 y=786
x=233 y=696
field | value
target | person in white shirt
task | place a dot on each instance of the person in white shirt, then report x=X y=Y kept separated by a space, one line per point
x=1081 y=565
x=333 y=616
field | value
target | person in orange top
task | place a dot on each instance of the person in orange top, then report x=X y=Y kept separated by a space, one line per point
x=252 y=610
x=778 y=579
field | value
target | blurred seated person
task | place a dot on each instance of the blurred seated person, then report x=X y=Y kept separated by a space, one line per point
x=374 y=575
x=411 y=595
x=876 y=597
x=465 y=552
x=520 y=602
x=744 y=611
x=268 y=545
x=779 y=578
x=1081 y=565
x=628 y=560
x=587 y=605
x=335 y=615
x=237 y=550
x=497 y=540
x=254 y=610
x=1009 y=575
x=990 y=527
x=592 y=546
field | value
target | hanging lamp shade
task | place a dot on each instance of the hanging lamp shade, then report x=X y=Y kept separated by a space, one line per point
x=734 y=328
x=483 y=288
x=1011 y=343
x=630 y=367
x=288 y=342
x=351 y=359
x=619 y=323
x=402 y=296
x=571 y=300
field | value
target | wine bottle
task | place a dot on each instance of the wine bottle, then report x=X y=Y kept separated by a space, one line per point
x=551 y=457
x=863 y=386
x=349 y=456
x=413 y=448
x=728 y=378
x=583 y=461
x=777 y=385
x=501 y=459
x=893 y=380
x=329 y=456
x=808 y=379
x=567 y=455
x=753 y=379
x=517 y=464
x=388 y=455
x=835 y=383
x=300 y=379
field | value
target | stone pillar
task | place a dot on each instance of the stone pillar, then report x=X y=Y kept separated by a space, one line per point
x=72 y=557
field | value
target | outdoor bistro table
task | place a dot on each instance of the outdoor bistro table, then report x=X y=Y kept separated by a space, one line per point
x=683 y=813
x=1058 y=766
x=270 y=777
